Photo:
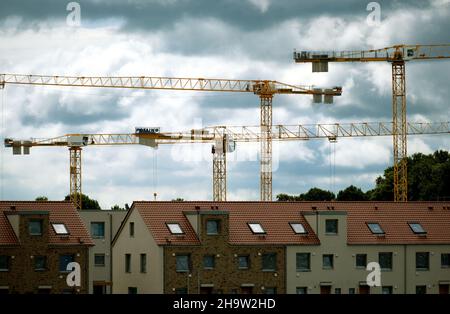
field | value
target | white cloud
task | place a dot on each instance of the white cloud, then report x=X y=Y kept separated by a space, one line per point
x=358 y=153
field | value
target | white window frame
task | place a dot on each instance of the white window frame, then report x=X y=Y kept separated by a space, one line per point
x=57 y=225
x=295 y=225
x=379 y=226
x=256 y=227
x=415 y=224
x=174 y=228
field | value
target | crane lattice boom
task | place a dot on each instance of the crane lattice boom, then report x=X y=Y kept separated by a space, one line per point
x=169 y=83
x=398 y=52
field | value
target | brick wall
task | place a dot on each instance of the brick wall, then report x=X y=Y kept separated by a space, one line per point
x=226 y=276
x=22 y=276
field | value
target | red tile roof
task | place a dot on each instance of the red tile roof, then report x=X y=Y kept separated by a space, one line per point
x=278 y=230
x=276 y=216
x=59 y=212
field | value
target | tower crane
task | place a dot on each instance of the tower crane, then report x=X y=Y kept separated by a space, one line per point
x=265 y=89
x=223 y=138
x=396 y=55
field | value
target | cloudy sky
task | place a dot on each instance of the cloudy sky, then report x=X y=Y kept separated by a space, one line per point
x=241 y=39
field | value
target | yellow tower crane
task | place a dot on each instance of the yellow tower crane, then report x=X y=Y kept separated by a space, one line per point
x=265 y=89
x=397 y=56
x=224 y=139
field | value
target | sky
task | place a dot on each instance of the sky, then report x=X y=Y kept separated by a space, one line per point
x=235 y=39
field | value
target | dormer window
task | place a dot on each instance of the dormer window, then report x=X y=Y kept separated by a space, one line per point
x=256 y=228
x=375 y=228
x=417 y=228
x=60 y=229
x=175 y=228
x=298 y=228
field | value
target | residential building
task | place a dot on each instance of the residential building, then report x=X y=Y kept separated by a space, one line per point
x=37 y=242
x=203 y=247
x=282 y=247
x=410 y=241
x=102 y=225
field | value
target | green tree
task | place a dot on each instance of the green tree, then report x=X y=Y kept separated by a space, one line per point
x=117 y=207
x=178 y=199
x=42 y=198
x=428 y=179
x=351 y=193
x=316 y=194
x=287 y=198
x=86 y=202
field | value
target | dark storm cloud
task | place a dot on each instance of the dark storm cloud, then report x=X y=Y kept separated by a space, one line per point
x=70 y=118
x=150 y=15
x=76 y=118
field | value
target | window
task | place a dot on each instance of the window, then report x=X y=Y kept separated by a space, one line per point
x=386 y=290
x=417 y=228
x=175 y=228
x=212 y=227
x=243 y=262
x=132 y=290
x=421 y=289
x=303 y=261
x=35 y=227
x=301 y=290
x=270 y=290
x=182 y=263
x=351 y=290
x=98 y=229
x=64 y=260
x=298 y=228
x=445 y=260
x=375 y=228
x=4 y=263
x=361 y=260
x=131 y=229
x=328 y=261
x=269 y=261
x=99 y=259
x=60 y=229
x=385 y=260
x=422 y=260
x=208 y=261
x=256 y=228
x=181 y=290
x=128 y=263
x=40 y=263
x=337 y=291
x=143 y=263
x=331 y=226
x=234 y=291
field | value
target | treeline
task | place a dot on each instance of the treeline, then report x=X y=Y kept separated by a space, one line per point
x=428 y=180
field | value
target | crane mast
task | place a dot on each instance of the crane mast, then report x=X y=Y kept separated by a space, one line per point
x=397 y=56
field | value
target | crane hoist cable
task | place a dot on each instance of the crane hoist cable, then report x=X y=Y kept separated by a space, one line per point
x=332 y=159
x=155 y=173
x=2 y=131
